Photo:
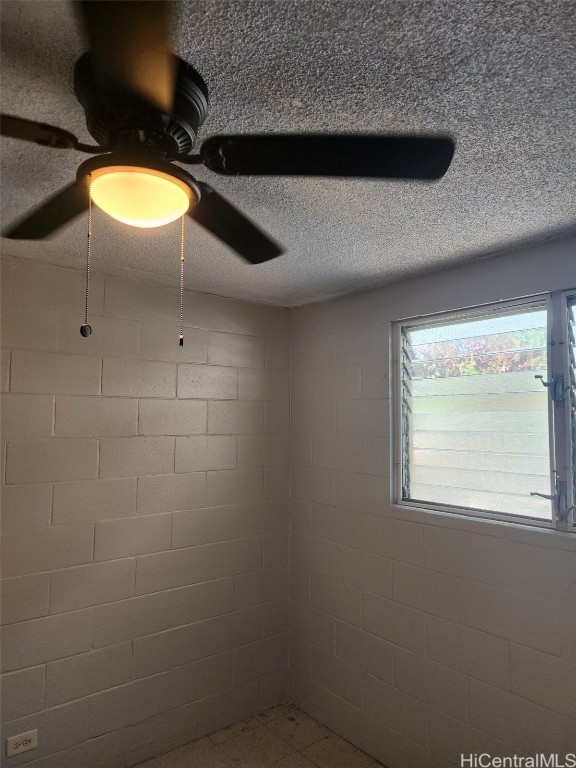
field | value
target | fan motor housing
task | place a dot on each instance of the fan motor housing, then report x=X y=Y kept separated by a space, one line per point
x=113 y=121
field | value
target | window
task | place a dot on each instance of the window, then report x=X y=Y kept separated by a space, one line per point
x=487 y=411
x=570 y=416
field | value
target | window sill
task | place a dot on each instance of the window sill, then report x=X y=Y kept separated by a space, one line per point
x=538 y=533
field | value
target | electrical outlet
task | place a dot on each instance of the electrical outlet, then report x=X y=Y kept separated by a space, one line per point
x=23 y=742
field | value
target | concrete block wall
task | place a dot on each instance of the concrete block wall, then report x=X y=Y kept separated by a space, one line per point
x=144 y=515
x=145 y=526
x=418 y=636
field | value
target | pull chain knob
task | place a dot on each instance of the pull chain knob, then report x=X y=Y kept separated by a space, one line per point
x=85 y=328
x=181 y=337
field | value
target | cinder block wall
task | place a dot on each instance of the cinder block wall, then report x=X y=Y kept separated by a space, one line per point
x=144 y=515
x=418 y=636
x=145 y=522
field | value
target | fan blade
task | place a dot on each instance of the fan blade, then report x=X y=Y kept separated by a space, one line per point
x=52 y=214
x=39 y=133
x=130 y=50
x=234 y=229
x=354 y=155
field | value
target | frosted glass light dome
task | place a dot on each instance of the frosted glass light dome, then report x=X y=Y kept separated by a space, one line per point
x=140 y=197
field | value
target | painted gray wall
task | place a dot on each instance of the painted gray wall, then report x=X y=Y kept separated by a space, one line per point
x=417 y=636
x=414 y=635
x=144 y=515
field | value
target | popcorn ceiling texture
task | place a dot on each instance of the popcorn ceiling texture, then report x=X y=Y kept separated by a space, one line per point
x=497 y=76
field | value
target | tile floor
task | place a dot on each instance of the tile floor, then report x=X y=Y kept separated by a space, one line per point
x=283 y=737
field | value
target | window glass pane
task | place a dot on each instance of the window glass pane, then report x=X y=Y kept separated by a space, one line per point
x=572 y=383
x=475 y=420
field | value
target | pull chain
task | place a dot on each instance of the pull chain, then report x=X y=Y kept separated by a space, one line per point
x=182 y=281
x=86 y=329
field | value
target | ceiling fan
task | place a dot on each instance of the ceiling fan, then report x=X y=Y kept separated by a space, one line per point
x=144 y=107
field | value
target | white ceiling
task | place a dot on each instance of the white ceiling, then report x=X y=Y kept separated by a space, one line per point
x=499 y=76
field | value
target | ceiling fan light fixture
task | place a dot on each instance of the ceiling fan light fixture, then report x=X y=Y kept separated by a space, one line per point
x=140 y=196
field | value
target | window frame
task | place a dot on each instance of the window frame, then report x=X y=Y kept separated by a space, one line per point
x=566 y=448
x=555 y=303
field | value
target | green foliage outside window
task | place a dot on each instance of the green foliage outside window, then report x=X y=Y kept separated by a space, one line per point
x=478 y=355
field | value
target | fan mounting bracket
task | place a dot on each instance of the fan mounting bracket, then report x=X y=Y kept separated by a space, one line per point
x=120 y=122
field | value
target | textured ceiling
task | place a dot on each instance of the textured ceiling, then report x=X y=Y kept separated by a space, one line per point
x=498 y=76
